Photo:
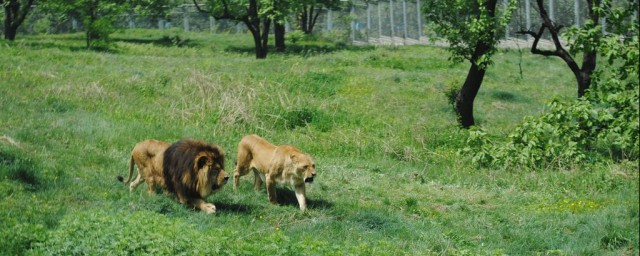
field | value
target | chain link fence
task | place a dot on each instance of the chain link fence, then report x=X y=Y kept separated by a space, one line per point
x=392 y=22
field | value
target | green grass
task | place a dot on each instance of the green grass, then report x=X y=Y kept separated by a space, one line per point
x=375 y=119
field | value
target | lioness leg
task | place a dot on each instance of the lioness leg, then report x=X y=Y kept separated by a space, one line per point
x=257 y=181
x=242 y=168
x=300 y=195
x=271 y=189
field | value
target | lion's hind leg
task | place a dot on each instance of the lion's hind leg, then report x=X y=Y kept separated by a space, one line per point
x=134 y=184
x=151 y=186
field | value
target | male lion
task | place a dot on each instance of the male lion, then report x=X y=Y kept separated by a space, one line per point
x=147 y=156
x=284 y=164
x=192 y=171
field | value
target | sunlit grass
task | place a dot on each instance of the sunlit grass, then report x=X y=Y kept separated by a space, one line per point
x=375 y=119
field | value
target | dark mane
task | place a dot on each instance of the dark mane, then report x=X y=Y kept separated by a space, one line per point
x=178 y=163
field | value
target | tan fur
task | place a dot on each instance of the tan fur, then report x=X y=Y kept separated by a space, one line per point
x=147 y=156
x=193 y=170
x=207 y=174
x=272 y=164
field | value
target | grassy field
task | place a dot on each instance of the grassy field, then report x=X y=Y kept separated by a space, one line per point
x=376 y=120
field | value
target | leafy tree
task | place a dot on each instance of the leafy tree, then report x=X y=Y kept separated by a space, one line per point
x=582 y=40
x=15 y=11
x=255 y=14
x=472 y=29
x=97 y=16
x=157 y=9
x=308 y=11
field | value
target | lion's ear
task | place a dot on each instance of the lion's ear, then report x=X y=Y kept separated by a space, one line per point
x=201 y=162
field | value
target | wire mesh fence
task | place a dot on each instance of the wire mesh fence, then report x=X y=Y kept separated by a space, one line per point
x=395 y=22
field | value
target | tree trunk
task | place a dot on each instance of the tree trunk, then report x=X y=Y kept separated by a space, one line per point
x=259 y=29
x=279 y=31
x=264 y=39
x=308 y=18
x=257 y=42
x=92 y=12
x=466 y=96
x=9 y=32
x=582 y=74
x=14 y=16
x=471 y=86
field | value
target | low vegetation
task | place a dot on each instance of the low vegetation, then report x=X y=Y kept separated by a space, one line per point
x=392 y=176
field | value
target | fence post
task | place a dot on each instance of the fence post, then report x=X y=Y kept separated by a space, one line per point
x=379 y=21
x=419 y=19
x=329 y=22
x=404 y=19
x=130 y=20
x=368 y=20
x=505 y=5
x=551 y=12
x=527 y=10
x=352 y=12
x=391 y=23
x=74 y=24
x=185 y=21
x=212 y=24
x=576 y=12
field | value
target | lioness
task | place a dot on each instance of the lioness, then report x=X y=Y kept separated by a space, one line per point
x=274 y=164
x=147 y=156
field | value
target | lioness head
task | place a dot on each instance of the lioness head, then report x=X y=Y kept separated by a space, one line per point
x=210 y=169
x=305 y=166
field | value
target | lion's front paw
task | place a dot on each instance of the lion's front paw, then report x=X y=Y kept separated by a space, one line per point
x=208 y=208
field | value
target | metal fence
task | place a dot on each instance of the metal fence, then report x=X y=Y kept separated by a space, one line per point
x=395 y=22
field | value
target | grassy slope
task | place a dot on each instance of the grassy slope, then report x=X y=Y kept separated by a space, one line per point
x=378 y=125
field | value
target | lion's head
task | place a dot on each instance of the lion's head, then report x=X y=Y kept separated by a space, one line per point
x=211 y=174
x=194 y=168
x=304 y=166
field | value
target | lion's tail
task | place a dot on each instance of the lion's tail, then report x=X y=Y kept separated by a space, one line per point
x=121 y=179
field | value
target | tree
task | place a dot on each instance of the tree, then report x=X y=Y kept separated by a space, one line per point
x=157 y=9
x=582 y=74
x=309 y=10
x=255 y=14
x=97 y=16
x=279 y=17
x=603 y=124
x=472 y=29
x=15 y=11
x=583 y=39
